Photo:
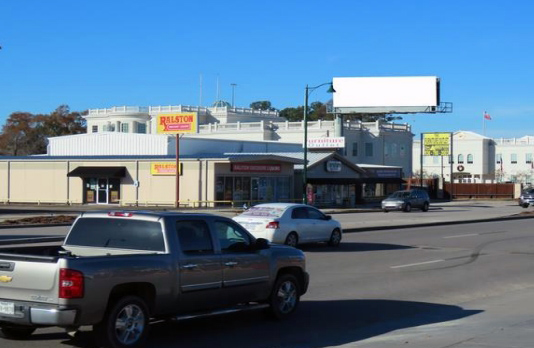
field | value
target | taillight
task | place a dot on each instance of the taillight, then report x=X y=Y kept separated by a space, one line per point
x=273 y=225
x=70 y=283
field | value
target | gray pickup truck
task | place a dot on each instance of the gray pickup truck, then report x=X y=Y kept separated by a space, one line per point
x=117 y=271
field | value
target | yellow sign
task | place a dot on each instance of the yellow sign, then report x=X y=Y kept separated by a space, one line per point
x=436 y=144
x=184 y=122
x=164 y=168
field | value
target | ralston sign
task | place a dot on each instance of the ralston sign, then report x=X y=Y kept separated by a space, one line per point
x=184 y=122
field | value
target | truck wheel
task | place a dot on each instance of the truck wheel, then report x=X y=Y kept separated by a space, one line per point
x=335 y=238
x=292 y=239
x=16 y=332
x=125 y=324
x=285 y=297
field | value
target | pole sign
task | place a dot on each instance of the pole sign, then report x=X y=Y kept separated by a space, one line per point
x=177 y=123
x=436 y=144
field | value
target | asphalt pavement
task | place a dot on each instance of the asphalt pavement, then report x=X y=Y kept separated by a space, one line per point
x=363 y=218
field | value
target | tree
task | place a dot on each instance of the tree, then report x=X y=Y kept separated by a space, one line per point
x=262 y=105
x=26 y=134
x=293 y=114
x=18 y=136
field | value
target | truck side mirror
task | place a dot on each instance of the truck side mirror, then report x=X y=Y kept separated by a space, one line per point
x=262 y=244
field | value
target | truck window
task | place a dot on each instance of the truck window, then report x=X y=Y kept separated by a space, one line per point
x=194 y=237
x=117 y=233
x=231 y=237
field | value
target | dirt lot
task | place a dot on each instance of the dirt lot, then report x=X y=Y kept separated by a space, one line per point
x=46 y=220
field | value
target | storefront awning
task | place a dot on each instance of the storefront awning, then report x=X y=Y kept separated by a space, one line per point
x=99 y=172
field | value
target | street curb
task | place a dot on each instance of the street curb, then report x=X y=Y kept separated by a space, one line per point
x=440 y=223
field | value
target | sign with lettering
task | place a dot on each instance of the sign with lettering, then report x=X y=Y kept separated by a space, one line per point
x=164 y=168
x=333 y=166
x=326 y=143
x=436 y=144
x=257 y=168
x=178 y=123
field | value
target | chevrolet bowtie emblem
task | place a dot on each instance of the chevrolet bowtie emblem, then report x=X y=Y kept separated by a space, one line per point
x=5 y=279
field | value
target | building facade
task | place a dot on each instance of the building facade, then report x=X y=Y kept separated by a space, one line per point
x=479 y=159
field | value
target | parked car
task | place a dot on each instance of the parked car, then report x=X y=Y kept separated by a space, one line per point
x=290 y=224
x=527 y=198
x=118 y=270
x=406 y=200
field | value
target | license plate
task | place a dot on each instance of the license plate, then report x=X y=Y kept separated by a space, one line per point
x=7 y=308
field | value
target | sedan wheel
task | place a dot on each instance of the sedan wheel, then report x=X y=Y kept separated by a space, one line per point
x=292 y=240
x=335 y=238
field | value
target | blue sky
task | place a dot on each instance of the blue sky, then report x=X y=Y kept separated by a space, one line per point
x=97 y=54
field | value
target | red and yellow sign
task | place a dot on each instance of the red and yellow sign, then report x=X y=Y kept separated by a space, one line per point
x=163 y=168
x=183 y=122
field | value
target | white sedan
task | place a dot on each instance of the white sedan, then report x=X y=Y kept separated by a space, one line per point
x=290 y=224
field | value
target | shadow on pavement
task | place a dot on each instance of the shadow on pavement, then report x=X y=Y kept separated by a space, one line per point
x=352 y=247
x=316 y=324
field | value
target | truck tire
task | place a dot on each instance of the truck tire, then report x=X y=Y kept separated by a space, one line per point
x=125 y=324
x=16 y=332
x=285 y=297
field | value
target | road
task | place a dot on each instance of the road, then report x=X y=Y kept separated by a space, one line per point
x=461 y=286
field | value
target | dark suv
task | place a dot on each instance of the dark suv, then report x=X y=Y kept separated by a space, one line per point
x=526 y=198
x=406 y=200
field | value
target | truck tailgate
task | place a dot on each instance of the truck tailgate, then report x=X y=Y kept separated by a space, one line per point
x=26 y=279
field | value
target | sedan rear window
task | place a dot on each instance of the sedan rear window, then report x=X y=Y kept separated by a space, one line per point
x=264 y=211
x=117 y=234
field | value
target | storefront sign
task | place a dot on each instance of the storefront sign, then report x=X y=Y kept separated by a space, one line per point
x=257 y=168
x=164 y=168
x=333 y=166
x=436 y=144
x=384 y=173
x=184 y=122
x=326 y=143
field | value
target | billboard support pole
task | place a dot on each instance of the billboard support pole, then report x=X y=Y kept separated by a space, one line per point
x=421 y=177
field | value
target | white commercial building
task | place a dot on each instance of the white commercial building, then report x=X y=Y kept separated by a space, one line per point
x=479 y=159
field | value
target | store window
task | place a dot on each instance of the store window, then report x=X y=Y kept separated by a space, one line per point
x=238 y=190
x=95 y=129
x=124 y=127
x=498 y=158
x=528 y=158
x=355 y=149
x=460 y=159
x=141 y=128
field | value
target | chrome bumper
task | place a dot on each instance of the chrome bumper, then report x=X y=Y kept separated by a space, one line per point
x=55 y=317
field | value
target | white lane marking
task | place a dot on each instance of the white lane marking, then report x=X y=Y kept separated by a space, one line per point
x=417 y=264
x=462 y=235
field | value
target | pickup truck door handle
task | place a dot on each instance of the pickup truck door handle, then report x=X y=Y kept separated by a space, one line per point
x=189 y=266
x=230 y=263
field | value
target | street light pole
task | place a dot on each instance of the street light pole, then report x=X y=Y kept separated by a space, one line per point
x=308 y=90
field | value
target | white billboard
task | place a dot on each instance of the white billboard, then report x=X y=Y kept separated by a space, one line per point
x=386 y=94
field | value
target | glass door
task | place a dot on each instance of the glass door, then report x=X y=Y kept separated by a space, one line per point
x=102 y=193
